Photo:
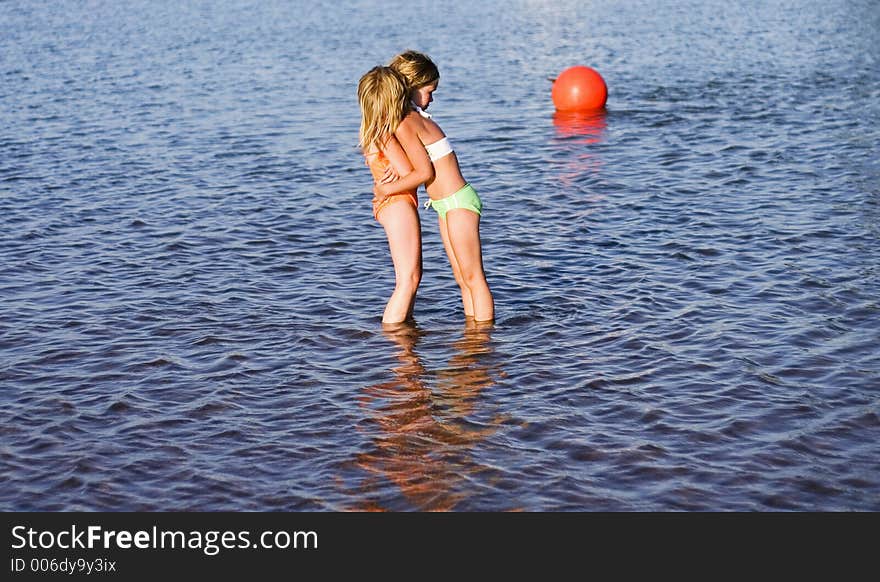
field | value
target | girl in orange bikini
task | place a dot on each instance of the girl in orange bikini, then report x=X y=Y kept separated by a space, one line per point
x=378 y=91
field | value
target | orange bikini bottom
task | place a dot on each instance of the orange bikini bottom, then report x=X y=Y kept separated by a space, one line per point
x=408 y=196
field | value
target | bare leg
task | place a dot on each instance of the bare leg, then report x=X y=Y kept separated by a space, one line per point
x=466 y=299
x=401 y=223
x=463 y=230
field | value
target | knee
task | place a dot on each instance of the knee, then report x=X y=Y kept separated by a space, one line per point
x=410 y=280
x=473 y=278
x=415 y=278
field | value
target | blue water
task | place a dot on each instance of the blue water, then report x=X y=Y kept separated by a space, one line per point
x=686 y=285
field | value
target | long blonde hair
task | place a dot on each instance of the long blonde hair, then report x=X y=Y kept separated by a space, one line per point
x=384 y=101
x=416 y=68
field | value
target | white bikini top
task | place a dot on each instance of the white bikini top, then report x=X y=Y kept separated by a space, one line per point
x=439 y=148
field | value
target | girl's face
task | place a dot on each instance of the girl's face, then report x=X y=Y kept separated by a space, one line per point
x=423 y=96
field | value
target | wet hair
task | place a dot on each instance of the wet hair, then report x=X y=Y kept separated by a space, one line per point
x=417 y=68
x=384 y=102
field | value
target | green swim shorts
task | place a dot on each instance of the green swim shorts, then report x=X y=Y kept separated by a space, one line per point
x=466 y=198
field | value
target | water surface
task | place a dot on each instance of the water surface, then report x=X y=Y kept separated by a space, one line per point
x=686 y=285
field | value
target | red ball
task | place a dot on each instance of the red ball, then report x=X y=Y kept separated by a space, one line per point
x=579 y=89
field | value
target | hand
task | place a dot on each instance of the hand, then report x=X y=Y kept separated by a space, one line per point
x=390 y=175
x=379 y=193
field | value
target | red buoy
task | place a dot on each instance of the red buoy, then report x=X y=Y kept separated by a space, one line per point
x=579 y=89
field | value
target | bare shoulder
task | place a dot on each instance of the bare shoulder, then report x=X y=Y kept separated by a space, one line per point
x=426 y=128
x=432 y=131
x=412 y=123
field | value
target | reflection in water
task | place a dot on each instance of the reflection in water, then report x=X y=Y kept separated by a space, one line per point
x=424 y=441
x=580 y=127
x=577 y=133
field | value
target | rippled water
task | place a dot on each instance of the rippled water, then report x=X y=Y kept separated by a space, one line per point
x=686 y=285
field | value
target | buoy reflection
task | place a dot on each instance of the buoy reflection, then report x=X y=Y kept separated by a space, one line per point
x=582 y=127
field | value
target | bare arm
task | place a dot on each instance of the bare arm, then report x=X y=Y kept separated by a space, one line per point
x=422 y=170
x=399 y=164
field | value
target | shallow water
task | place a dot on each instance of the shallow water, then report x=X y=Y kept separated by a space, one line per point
x=686 y=285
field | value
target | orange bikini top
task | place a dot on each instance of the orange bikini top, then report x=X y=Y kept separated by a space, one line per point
x=377 y=163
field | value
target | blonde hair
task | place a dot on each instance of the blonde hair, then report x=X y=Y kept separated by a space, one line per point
x=417 y=68
x=384 y=101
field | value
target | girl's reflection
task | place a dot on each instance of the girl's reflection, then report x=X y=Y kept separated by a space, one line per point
x=424 y=438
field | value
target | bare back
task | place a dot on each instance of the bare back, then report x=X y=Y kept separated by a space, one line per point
x=447 y=173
